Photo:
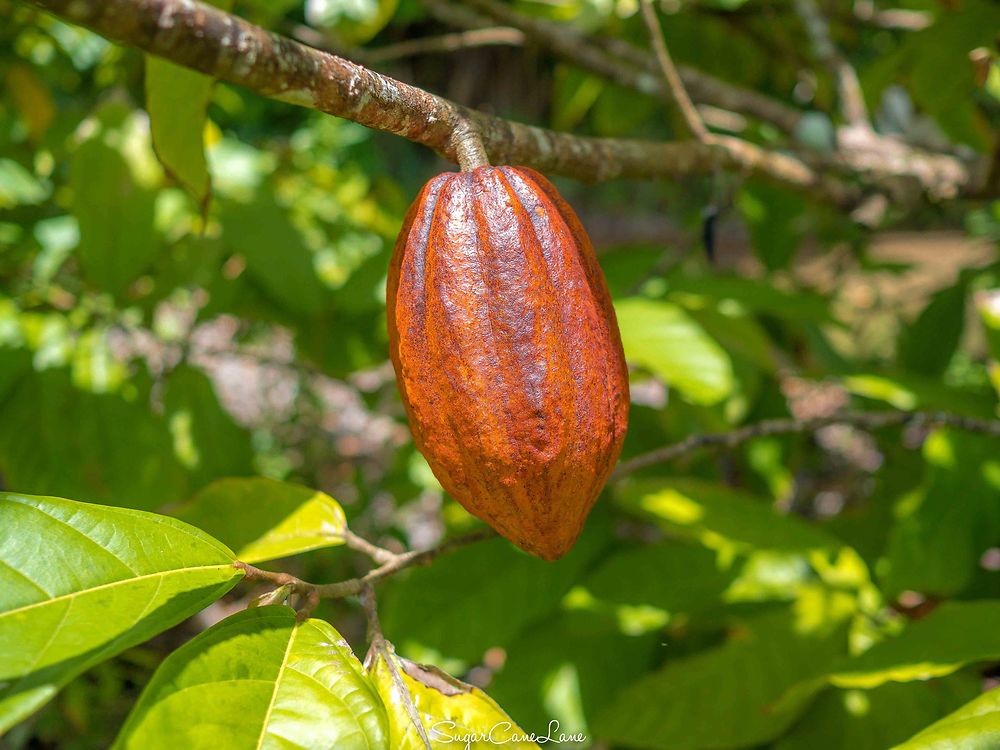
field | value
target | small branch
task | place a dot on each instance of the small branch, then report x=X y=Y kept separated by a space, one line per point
x=852 y=100
x=674 y=84
x=876 y=420
x=620 y=61
x=226 y=47
x=380 y=555
x=892 y=18
x=390 y=564
x=384 y=650
x=460 y=40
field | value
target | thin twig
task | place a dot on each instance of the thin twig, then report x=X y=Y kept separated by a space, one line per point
x=384 y=650
x=454 y=42
x=380 y=555
x=670 y=75
x=392 y=563
x=852 y=99
x=875 y=420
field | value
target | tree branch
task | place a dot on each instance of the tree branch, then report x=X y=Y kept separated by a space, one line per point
x=850 y=96
x=674 y=84
x=875 y=420
x=390 y=564
x=226 y=47
x=624 y=63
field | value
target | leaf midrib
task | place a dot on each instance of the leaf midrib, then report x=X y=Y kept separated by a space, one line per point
x=121 y=582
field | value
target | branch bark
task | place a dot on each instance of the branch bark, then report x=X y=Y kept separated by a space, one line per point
x=876 y=420
x=231 y=49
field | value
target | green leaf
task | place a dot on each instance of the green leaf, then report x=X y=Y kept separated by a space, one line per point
x=452 y=712
x=725 y=697
x=757 y=296
x=259 y=679
x=942 y=529
x=664 y=339
x=115 y=214
x=117 y=451
x=491 y=584
x=876 y=719
x=18 y=186
x=674 y=576
x=775 y=217
x=276 y=255
x=262 y=519
x=569 y=667
x=722 y=518
x=955 y=634
x=206 y=441
x=927 y=345
x=176 y=99
x=975 y=726
x=79 y=583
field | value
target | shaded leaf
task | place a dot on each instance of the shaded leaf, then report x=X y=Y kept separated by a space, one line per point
x=277 y=258
x=259 y=679
x=206 y=441
x=724 y=697
x=115 y=214
x=79 y=583
x=492 y=584
x=876 y=719
x=262 y=519
x=927 y=345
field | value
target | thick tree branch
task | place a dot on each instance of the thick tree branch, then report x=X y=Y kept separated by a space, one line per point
x=231 y=49
x=875 y=420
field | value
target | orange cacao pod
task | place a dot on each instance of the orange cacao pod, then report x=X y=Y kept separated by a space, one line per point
x=507 y=352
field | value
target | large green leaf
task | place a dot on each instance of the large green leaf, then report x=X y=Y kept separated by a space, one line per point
x=452 y=713
x=876 y=719
x=262 y=519
x=664 y=339
x=725 y=697
x=259 y=679
x=927 y=345
x=943 y=528
x=955 y=634
x=206 y=441
x=722 y=518
x=80 y=583
x=177 y=99
x=276 y=255
x=975 y=726
x=491 y=584
x=570 y=666
x=115 y=214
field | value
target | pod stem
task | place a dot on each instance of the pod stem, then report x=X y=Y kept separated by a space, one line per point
x=469 y=148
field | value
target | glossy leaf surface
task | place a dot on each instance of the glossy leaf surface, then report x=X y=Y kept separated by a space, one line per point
x=80 y=583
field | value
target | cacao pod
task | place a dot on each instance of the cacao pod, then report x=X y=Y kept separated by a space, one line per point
x=507 y=353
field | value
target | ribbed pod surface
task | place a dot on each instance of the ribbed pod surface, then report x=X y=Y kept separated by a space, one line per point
x=507 y=353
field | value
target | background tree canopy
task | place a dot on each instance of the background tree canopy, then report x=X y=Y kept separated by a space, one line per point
x=801 y=546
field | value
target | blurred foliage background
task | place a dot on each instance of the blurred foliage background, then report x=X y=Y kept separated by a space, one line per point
x=159 y=330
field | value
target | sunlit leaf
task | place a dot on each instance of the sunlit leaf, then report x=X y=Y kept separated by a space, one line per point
x=452 y=712
x=975 y=726
x=665 y=340
x=262 y=519
x=259 y=679
x=955 y=634
x=80 y=583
